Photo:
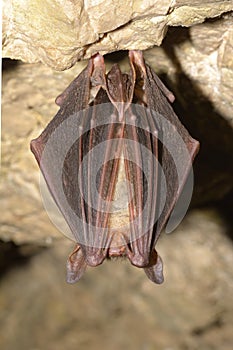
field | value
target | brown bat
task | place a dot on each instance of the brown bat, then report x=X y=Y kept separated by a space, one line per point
x=115 y=159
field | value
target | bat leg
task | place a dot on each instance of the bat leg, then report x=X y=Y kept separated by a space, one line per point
x=76 y=265
x=155 y=270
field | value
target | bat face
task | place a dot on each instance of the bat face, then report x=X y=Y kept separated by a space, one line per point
x=115 y=159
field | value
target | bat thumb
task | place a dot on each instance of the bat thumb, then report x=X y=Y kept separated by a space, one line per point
x=155 y=272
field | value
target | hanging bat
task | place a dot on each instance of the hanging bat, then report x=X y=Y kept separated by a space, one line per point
x=115 y=159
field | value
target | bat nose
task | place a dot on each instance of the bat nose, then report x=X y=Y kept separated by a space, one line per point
x=118 y=245
x=117 y=251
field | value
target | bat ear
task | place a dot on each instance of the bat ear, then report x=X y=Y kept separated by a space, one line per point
x=76 y=266
x=155 y=272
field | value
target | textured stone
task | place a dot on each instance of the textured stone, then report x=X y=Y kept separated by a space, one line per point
x=59 y=33
x=204 y=54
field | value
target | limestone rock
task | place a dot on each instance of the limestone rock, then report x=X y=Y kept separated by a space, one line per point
x=59 y=33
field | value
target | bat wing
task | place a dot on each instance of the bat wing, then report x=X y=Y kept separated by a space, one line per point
x=179 y=148
x=59 y=151
x=176 y=150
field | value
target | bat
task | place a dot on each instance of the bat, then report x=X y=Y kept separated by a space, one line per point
x=115 y=158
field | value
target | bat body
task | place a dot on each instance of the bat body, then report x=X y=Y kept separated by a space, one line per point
x=115 y=158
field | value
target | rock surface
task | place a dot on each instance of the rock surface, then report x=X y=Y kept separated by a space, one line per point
x=202 y=53
x=59 y=33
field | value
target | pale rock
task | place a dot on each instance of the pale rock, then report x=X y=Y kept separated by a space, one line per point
x=60 y=33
